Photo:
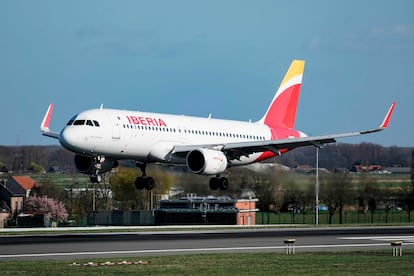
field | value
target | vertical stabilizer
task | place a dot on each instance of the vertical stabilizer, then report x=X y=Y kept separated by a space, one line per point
x=282 y=110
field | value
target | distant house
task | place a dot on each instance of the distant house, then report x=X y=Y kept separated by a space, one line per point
x=21 y=184
x=399 y=170
x=4 y=213
x=13 y=192
x=369 y=168
x=310 y=170
x=54 y=169
x=4 y=169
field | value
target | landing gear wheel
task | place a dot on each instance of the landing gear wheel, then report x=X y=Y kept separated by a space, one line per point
x=223 y=183
x=214 y=183
x=96 y=178
x=149 y=183
x=144 y=182
x=139 y=183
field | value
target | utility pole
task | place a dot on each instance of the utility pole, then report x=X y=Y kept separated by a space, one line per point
x=317 y=188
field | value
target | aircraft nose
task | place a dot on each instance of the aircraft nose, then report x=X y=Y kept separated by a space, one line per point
x=69 y=139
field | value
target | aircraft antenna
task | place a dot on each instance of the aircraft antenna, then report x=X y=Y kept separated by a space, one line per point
x=101 y=107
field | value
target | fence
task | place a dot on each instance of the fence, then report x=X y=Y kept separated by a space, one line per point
x=120 y=218
x=396 y=217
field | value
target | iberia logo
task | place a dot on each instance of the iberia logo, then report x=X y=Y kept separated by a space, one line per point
x=146 y=121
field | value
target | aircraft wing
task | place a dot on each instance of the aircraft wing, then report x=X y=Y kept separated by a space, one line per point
x=44 y=127
x=237 y=150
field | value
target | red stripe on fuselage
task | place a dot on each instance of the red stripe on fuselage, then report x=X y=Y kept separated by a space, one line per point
x=278 y=133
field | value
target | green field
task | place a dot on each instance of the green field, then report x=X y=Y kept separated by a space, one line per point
x=350 y=263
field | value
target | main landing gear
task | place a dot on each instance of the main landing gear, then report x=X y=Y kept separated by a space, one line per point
x=218 y=182
x=144 y=181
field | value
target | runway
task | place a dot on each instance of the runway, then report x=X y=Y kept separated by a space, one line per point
x=134 y=244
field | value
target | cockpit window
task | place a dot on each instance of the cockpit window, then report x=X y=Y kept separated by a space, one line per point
x=79 y=123
x=96 y=123
x=71 y=120
x=89 y=123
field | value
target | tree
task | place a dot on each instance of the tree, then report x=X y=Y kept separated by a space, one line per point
x=124 y=191
x=36 y=168
x=336 y=191
x=369 y=194
x=128 y=197
x=49 y=189
x=302 y=194
x=54 y=208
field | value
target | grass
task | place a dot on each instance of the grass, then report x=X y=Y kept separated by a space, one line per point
x=367 y=263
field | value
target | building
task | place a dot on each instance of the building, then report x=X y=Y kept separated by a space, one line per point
x=206 y=210
x=189 y=210
x=13 y=192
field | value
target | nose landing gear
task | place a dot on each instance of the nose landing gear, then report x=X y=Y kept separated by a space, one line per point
x=96 y=176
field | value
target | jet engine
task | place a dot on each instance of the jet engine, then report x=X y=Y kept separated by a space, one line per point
x=206 y=161
x=87 y=164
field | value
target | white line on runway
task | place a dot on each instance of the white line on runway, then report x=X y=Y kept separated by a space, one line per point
x=184 y=250
x=381 y=238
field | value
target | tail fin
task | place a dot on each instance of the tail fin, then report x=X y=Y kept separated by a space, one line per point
x=282 y=110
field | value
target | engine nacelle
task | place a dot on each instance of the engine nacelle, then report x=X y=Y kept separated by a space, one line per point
x=86 y=164
x=206 y=161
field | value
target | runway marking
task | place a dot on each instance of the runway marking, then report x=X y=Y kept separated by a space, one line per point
x=183 y=250
x=381 y=238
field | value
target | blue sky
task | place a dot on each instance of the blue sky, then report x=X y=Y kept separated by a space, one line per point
x=199 y=57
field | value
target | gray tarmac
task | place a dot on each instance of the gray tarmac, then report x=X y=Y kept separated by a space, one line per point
x=57 y=244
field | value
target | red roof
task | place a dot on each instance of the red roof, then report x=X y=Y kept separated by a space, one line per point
x=26 y=182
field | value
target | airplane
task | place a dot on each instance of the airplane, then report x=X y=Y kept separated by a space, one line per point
x=207 y=146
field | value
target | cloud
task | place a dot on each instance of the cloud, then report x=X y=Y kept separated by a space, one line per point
x=399 y=37
x=395 y=31
x=115 y=41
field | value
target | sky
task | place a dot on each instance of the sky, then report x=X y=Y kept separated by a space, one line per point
x=226 y=58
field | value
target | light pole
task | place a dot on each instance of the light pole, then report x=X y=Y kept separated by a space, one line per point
x=317 y=188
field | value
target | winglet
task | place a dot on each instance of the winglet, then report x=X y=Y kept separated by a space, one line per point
x=44 y=127
x=46 y=120
x=387 y=117
x=384 y=123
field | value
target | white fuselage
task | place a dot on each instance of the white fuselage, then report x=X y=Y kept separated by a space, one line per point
x=149 y=137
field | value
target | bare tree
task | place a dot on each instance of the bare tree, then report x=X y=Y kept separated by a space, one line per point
x=336 y=191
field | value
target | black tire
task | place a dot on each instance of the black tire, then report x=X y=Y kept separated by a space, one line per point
x=214 y=183
x=93 y=179
x=149 y=183
x=223 y=183
x=139 y=183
